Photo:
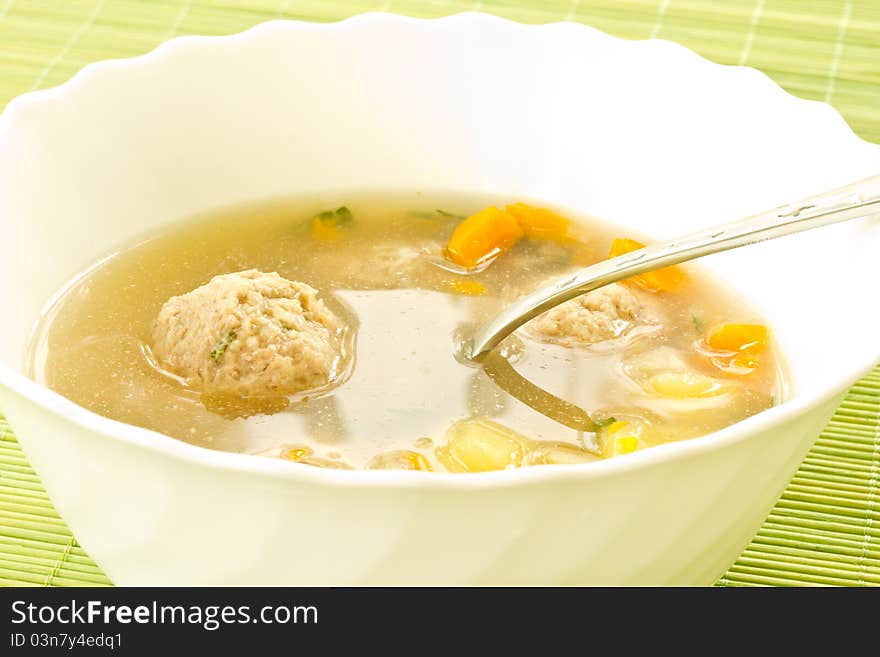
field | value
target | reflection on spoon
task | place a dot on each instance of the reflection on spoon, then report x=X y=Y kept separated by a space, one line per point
x=513 y=383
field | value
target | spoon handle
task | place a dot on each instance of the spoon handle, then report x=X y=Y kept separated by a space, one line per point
x=853 y=201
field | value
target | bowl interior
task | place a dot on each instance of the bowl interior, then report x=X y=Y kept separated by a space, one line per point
x=646 y=135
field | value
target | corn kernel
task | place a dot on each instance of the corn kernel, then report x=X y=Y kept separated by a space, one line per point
x=297 y=453
x=617 y=426
x=482 y=445
x=626 y=444
x=624 y=436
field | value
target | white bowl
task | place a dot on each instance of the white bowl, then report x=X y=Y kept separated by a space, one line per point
x=645 y=134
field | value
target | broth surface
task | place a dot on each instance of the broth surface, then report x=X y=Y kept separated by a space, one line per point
x=385 y=275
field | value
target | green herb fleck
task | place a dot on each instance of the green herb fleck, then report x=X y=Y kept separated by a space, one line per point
x=341 y=216
x=699 y=326
x=221 y=347
x=606 y=422
x=451 y=215
x=772 y=400
x=435 y=214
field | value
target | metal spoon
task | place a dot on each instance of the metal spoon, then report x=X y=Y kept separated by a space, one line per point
x=854 y=201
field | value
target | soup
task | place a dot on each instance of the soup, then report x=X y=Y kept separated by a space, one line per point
x=328 y=330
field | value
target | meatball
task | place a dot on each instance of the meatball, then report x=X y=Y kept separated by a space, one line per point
x=600 y=315
x=249 y=334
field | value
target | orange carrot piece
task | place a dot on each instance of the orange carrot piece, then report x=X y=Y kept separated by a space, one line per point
x=736 y=348
x=737 y=337
x=661 y=280
x=482 y=236
x=539 y=223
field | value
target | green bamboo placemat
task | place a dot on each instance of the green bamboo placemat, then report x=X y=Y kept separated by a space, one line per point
x=826 y=527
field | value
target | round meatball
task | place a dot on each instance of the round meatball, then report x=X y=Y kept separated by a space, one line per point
x=600 y=315
x=249 y=334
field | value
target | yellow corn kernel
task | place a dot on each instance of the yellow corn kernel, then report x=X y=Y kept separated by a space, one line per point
x=617 y=426
x=297 y=453
x=622 y=437
x=482 y=445
x=626 y=444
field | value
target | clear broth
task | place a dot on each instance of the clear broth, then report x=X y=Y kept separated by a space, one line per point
x=385 y=276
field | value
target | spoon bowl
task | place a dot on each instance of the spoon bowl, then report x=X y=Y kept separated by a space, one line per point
x=854 y=201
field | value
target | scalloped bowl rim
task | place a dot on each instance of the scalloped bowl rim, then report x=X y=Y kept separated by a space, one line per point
x=278 y=468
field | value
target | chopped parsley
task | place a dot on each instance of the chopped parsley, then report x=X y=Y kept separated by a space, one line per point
x=221 y=347
x=451 y=215
x=434 y=214
x=341 y=216
x=608 y=421
x=699 y=326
